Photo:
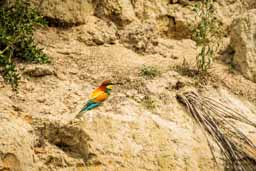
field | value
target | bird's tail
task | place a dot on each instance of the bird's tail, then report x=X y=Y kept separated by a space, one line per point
x=88 y=106
x=80 y=114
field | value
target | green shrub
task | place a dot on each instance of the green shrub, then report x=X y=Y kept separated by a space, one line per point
x=206 y=33
x=149 y=72
x=17 y=22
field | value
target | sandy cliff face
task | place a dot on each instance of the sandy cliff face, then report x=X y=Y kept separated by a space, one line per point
x=243 y=39
x=141 y=126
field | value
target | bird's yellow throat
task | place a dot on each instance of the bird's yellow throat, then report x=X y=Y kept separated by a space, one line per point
x=109 y=87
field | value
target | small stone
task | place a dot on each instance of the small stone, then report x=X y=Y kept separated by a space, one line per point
x=179 y=85
x=17 y=108
x=41 y=100
x=39 y=70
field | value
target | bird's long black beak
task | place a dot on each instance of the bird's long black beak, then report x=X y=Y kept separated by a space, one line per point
x=116 y=83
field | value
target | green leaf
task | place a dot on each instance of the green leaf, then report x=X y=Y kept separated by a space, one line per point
x=16 y=38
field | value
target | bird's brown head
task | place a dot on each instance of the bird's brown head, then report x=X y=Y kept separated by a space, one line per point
x=107 y=84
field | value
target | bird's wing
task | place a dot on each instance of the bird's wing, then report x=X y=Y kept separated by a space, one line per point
x=95 y=100
x=98 y=96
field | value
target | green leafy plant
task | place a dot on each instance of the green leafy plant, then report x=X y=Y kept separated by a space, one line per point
x=206 y=33
x=17 y=22
x=149 y=72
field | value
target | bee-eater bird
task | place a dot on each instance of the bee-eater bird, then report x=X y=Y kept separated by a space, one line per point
x=96 y=98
